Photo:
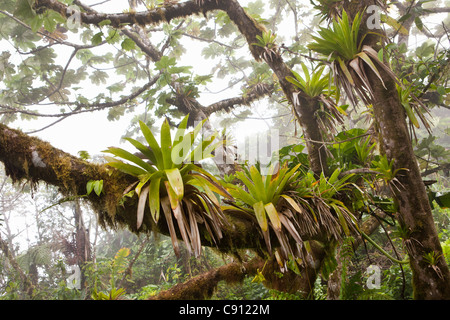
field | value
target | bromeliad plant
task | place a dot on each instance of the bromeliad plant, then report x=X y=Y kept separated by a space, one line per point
x=168 y=178
x=413 y=106
x=267 y=42
x=342 y=47
x=314 y=85
x=262 y=199
x=326 y=211
x=291 y=203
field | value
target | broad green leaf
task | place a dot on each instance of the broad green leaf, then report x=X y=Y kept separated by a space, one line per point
x=97 y=38
x=173 y=198
x=176 y=182
x=346 y=72
x=153 y=196
x=125 y=167
x=394 y=24
x=130 y=157
x=306 y=72
x=334 y=176
x=250 y=186
x=259 y=184
x=273 y=216
x=292 y=203
x=199 y=151
x=411 y=115
x=242 y=195
x=104 y=23
x=153 y=144
x=98 y=187
x=179 y=135
x=166 y=145
x=143 y=179
x=89 y=186
x=128 y=44
x=144 y=149
x=260 y=213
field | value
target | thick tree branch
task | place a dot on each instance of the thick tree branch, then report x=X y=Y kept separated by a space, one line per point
x=203 y=286
x=30 y=159
x=158 y=15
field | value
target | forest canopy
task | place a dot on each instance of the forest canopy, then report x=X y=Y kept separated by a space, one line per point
x=224 y=149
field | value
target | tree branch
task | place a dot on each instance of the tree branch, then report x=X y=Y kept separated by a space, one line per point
x=30 y=159
x=227 y=104
x=158 y=15
x=82 y=107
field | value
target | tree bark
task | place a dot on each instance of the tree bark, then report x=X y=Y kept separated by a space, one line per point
x=430 y=280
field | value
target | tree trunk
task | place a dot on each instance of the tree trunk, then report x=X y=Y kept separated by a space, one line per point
x=83 y=246
x=430 y=280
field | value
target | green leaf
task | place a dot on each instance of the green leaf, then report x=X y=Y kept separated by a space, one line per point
x=36 y=23
x=24 y=9
x=259 y=184
x=143 y=181
x=98 y=187
x=130 y=157
x=153 y=144
x=104 y=23
x=166 y=145
x=273 y=216
x=443 y=200
x=292 y=203
x=164 y=63
x=441 y=90
x=144 y=149
x=89 y=186
x=173 y=199
x=128 y=44
x=179 y=135
x=260 y=213
x=97 y=38
x=125 y=167
x=250 y=186
x=154 y=202
x=176 y=182
x=411 y=115
x=346 y=72
x=419 y=23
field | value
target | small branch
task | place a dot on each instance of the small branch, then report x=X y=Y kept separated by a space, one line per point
x=82 y=107
x=227 y=104
x=444 y=167
x=28 y=285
